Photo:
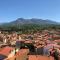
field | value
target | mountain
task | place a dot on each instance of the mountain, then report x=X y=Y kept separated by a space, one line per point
x=21 y=21
x=26 y=25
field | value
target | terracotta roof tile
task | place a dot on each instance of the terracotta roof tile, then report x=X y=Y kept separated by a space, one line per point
x=38 y=57
x=6 y=50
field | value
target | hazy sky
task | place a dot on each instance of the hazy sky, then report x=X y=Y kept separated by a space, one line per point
x=44 y=9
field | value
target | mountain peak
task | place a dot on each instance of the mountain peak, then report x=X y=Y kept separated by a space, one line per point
x=20 y=19
x=33 y=21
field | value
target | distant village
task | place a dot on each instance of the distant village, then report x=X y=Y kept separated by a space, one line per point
x=43 y=45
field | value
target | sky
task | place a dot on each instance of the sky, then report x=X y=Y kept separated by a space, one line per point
x=10 y=10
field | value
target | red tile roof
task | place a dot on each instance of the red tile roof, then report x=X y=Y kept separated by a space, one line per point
x=22 y=52
x=57 y=40
x=28 y=41
x=38 y=57
x=6 y=50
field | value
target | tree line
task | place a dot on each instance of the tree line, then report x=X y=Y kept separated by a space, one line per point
x=28 y=28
